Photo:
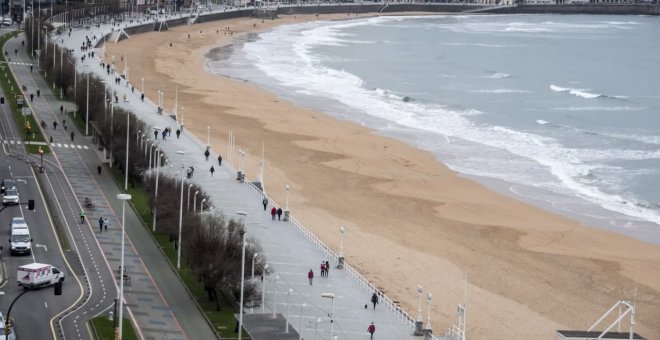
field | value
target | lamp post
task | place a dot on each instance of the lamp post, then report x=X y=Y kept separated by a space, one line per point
x=330 y=296
x=275 y=295
x=183 y=174
x=286 y=321
x=301 y=318
x=428 y=329
x=419 y=324
x=201 y=205
x=128 y=131
x=253 y=260
x=286 y=209
x=87 y=110
x=340 y=259
x=137 y=137
x=316 y=323
x=263 y=290
x=122 y=268
x=151 y=149
x=41 y=155
x=153 y=226
x=242 y=231
x=195 y=201
x=188 y=198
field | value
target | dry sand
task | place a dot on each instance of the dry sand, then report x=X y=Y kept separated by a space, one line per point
x=410 y=221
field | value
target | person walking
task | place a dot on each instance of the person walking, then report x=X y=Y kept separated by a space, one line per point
x=279 y=214
x=374 y=300
x=310 y=276
x=219 y=160
x=265 y=202
x=72 y=135
x=206 y=154
x=273 y=212
x=371 y=330
x=38 y=93
x=142 y=97
x=327 y=268
x=105 y=223
x=178 y=133
x=98 y=168
x=212 y=170
x=82 y=216
x=322 y=268
x=155 y=134
x=54 y=125
x=101 y=224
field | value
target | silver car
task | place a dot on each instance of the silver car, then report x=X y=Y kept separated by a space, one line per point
x=10 y=197
x=8 y=184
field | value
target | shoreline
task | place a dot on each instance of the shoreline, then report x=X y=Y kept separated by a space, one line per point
x=595 y=216
x=433 y=201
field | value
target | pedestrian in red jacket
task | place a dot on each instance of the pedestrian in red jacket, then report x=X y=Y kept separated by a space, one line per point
x=310 y=276
x=273 y=212
x=371 y=329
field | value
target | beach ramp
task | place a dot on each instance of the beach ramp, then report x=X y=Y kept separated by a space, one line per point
x=118 y=35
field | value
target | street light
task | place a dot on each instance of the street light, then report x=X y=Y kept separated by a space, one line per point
x=428 y=316
x=122 y=267
x=188 y=199
x=275 y=295
x=243 y=215
x=316 y=323
x=137 y=137
x=263 y=289
x=128 y=122
x=301 y=318
x=288 y=189
x=340 y=259
x=87 y=110
x=330 y=296
x=153 y=226
x=195 y=201
x=286 y=321
x=419 y=324
x=183 y=174
x=253 y=258
x=201 y=205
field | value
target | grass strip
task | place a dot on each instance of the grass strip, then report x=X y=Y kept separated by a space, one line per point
x=105 y=330
x=27 y=124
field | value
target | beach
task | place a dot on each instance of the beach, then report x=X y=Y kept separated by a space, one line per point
x=409 y=220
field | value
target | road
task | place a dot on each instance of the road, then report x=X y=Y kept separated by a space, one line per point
x=33 y=312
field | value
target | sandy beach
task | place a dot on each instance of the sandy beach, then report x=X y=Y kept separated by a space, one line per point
x=409 y=220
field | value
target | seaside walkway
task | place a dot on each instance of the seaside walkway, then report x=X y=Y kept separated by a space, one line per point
x=155 y=298
x=290 y=250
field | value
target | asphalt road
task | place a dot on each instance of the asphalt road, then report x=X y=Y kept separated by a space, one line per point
x=83 y=254
x=32 y=313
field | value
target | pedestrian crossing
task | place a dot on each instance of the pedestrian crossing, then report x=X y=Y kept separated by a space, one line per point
x=16 y=63
x=59 y=145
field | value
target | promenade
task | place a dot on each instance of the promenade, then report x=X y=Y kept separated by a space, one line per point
x=290 y=251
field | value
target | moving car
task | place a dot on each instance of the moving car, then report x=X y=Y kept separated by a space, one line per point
x=8 y=184
x=20 y=241
x=10 y=196
x=35 y=275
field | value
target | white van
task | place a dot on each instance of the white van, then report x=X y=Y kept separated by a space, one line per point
x=35 y=275
x=20 y=241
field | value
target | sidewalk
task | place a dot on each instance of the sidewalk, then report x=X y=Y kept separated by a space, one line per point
x=155 y=298
x=290 y=252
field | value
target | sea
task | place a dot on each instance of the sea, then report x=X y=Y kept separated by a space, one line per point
x=560 y=111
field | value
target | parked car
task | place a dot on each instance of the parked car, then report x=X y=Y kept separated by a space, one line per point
x=8 y=184
x=10 y=197
x=7 y=21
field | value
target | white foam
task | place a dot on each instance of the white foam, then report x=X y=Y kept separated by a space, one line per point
x=499 y=75
x=498 y=91
x=542 y=122
x=285 y=55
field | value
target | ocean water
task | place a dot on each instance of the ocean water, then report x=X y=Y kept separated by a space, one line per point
x=558 y=111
